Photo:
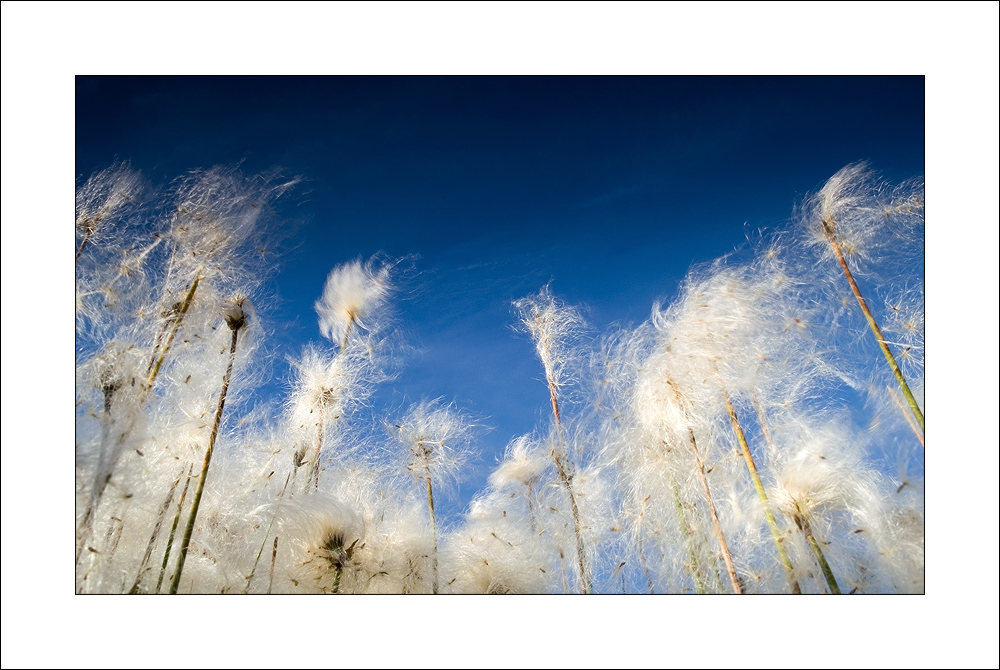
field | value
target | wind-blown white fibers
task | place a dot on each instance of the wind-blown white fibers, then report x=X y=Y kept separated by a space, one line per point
x=554 y=327
x=104 y=201
x=436 y=437
x=352 y=296
x=320 y=536
x=523 y=465
x=497 y=552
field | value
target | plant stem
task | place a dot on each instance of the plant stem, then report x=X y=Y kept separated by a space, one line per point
x=156 y=532
x=761 y=494
x=763 y=424
x=693 y=564
x=173 y=332
x=828 y=226
x=803 y=522
x=173 y=530
x=313 y=478
x=268 y=532
x=716 y=526
x=909 y=419
x=430 y=507
x=567 y=480
x=200 y=488
x=274 y=558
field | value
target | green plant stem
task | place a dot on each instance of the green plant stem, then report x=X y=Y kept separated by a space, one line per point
x=772 y=524
x=173 y=530
x=200 y=488
x=803 y=522
x=693 y=563
x=713 y=565
x=909 y=419
x=828 y=226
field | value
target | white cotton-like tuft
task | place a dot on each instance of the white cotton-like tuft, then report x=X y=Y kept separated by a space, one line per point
x=352 y=296
x=554 y=326
x=523 y=464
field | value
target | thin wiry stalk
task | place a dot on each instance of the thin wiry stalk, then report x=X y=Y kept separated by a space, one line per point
x=86 y=238
x=716 y=526
x=177 y=319
x=828 y=229
x=274 y=558
x=430 y=506
x=173 y=530
x=758 y=485
x=641 y=550
x=909 y=419
x=713 y=565
x=156 y=533
x=760 y=418
x=200 y=488
x=347 y=332
x=803 y=523
x=693 y=565
x=313 y=478
x=567 y=480
x=531 y=509
x=268 y=532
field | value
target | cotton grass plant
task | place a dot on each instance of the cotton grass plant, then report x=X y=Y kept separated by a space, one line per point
x=740 y=440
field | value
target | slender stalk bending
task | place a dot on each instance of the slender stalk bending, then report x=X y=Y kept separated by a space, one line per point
x=772 y=524
x=236 y=319
x=828 y=230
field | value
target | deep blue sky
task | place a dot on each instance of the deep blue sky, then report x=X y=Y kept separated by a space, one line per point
x=610 y=187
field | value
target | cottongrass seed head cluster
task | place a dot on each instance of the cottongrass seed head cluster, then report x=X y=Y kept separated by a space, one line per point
x=761 y=433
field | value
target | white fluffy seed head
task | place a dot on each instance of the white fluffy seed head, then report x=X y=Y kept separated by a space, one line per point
x=436 y=436
x=554 y=326
x=323 y=535
x=352 y=296
x=524 y=463
x=325 y=387
x=104 y=197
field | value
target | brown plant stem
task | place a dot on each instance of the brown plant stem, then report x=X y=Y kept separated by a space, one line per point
x=185 y=305
x=430 y=507
x=567 y=481
x=274 y=558
x=716 y=525
x=313 y=479
x=200 y=488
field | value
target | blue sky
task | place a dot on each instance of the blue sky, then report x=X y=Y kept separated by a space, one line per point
x=609 y=187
